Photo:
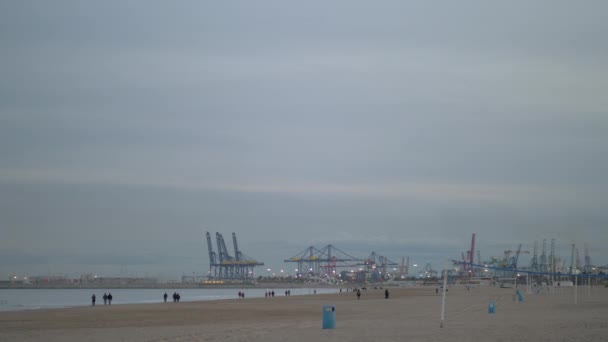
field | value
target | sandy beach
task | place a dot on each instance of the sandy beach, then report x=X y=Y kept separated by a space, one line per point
x=410 y=314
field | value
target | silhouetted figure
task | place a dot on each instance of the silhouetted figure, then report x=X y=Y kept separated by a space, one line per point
x=174 y=297
x=272 y=294
x=105 y=298
x=358 y=294
x=93 y=300
x=436 y=290
x=110 y=298
x=386 y=294
x=178 y=297
x=165 y=297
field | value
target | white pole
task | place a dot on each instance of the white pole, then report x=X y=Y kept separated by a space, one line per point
x=445 y=285
x=575 y=291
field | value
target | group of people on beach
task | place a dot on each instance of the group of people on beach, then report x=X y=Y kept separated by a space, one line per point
x=176 y=297
x=241 y=295
x=107 y=299
x=357 y=292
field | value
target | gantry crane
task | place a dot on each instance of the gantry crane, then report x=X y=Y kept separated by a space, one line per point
x=225 y=266
x=321 y=262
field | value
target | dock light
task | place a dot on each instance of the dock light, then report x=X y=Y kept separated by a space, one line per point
x=415 y=265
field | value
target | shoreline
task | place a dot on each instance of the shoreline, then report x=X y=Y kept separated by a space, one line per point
x=172 y=286
x=46 y=300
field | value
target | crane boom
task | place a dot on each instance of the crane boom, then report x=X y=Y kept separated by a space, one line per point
x=516 y=257
x=224 y=256
x=237 y=253
x=212 y=255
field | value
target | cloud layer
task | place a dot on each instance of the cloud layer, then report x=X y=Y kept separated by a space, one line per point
x=129 y=129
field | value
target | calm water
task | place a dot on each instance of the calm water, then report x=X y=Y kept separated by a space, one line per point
x=17 y=299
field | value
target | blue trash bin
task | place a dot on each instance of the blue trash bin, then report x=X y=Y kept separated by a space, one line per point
x=329 y=317
x=491 y=307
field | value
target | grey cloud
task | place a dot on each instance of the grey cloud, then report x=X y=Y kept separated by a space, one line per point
x=144 y=124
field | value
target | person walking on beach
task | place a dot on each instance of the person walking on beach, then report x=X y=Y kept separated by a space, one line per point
x=110 y=298
x=93 y=300
x=358 y=294
x=105 y=298
x=165 y=297
x=386 y=294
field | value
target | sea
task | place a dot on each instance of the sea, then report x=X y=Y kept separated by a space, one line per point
x=33 y=299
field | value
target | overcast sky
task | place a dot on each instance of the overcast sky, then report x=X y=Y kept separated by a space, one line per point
x=129 y=128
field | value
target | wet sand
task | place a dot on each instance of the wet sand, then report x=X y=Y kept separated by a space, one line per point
x=410 y=314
